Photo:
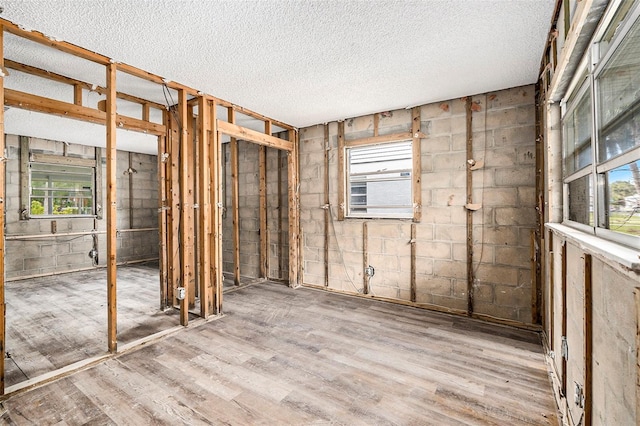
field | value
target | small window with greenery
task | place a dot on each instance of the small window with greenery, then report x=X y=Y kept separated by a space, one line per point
x=379 y=180
x=61 y=190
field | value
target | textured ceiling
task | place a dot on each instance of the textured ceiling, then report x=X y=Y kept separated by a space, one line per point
x=300 y=62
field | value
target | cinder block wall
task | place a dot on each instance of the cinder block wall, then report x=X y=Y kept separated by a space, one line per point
x=503 y=126
x=65 y=253
x=249 y=213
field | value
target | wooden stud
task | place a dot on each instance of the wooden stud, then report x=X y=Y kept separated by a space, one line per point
x=3 y=308
x=192 y=229
x=327 y=207
x=162 y=220
x=563 y=390
x=416 y=186
x=215 y=158
x=173 y=214
x=341 y=171
x=376 y=140
x=376 y=124
x=365 y=257
x=112 y=322
x=264 y=237
x=637 y=298
x=413 y=262
x=552 y=261
x=25 y=203
x=204 y=201
x=294 y=225
x=186 y=228
x=280 y=216
x=27 y=101
x=235 y=198
x=534 y=286
x=77 y=94
x=470 y=272
x=244 y=133
x=146 y=111
x=588 y=340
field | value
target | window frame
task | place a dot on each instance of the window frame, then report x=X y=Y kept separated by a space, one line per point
x=348 y=182
x=595 y=64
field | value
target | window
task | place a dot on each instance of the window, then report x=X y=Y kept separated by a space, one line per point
x=605 y=196
x=379 y=180
x=61 y=190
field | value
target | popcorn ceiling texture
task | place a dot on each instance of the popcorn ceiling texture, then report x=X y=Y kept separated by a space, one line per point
x=303 y=62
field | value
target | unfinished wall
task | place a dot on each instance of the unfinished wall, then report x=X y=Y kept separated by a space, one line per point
x=55 y=254
x=249 y=204
x=504 y=138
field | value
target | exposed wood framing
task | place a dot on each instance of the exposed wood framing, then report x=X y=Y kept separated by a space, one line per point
x=365 y=257
x=588 y=340
x=78 y=85
x=280 y=216
x=534 y=290
x=413 y=262
x=22 y=100
x=470 y=271
x=563 y=290
x=341 y=171
x=264 y=235
x=376 y=124
x=294 y=222
x=25 y=205
x=552 y=262
x=186 y=210
x=3 y=310
x=112 y=322
x=327 y=207
x=173 y=214
x=235 y=196
x=162 y=221
x=637 y=298
x=395 y=137
x=192 y=173
x=416 y=186
x=204 y=201
x=259 y=138
x=216 y=161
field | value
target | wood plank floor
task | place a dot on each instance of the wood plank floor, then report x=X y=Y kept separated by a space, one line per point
x=55 y=321
x=285 y=356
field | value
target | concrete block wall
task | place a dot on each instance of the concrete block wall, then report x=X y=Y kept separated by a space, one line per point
x=249 y=212
x=65 y=253
x=504 y=138
x=614 y=328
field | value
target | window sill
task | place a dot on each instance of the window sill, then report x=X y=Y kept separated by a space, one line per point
x=608 y=250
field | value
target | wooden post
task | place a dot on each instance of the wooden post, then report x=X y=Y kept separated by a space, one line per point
x=564 y=316
x=3 y=310
x=280 y=217
x=417 y=164
x=162 y=220
x=204 y=200
x=413 y=262
x=191 y=176
x=327 y=202
x=341 y=170
x=215 y=159
x=376 y=124
x=264 y=235
x=637 y=297
x=552 y=262
x=173 y=214
x=470 y=273
x=235 y=200
x=77 y=94
x=588 y=340
x=112 y=322
x=534 y=285
x=294 y=225
x=365 y=257
x=186 y=228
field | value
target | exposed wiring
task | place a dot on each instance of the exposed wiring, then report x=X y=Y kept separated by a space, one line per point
x=358 y=290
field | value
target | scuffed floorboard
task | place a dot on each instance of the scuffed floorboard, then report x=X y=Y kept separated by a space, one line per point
x=284 y=356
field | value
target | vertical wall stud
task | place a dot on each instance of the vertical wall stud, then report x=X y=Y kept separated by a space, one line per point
x=341 y=170
x=470 y=272
x=417 y=164
x=365 y=257
x=294 y=225
x=186 y=210
x=413 y=262
x=3 y=310
x=204 y=200
x=215 y=159
x=327 y=206
x=111 y=210
x=235 y=200
x=564 y=315
x=264 y=234
x=588 y=340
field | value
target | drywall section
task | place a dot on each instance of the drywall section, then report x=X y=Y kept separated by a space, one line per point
x=248 y=211
x=503 y=126
x=137 y=216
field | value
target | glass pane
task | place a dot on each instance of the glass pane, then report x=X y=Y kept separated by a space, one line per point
x=614 y=27
x=61 y=190
x=619 y=90
x=581 y=200
x=622 y=186
x=380 y=180
x=577 y=130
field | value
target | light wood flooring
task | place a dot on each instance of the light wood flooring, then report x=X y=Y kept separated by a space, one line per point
x=284 y=356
